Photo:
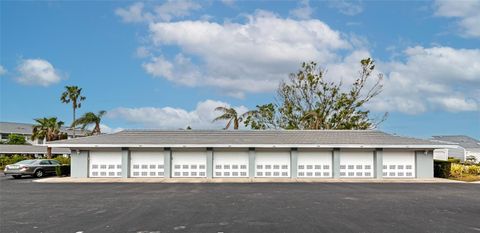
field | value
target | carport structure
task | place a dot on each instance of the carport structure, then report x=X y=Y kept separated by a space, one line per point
x=325 y=154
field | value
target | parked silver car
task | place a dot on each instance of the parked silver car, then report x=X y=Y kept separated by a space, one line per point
x=32 y=167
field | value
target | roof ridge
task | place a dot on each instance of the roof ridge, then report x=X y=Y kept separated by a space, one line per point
x=248 y=130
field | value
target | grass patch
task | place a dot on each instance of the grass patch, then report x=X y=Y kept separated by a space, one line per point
x=466 y=178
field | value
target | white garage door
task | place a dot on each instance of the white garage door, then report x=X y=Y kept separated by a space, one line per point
x=230 y=163
x=146 y=164
x=275 y=163
x=314 y=164
x=398 y=164
x=189 y=164
x=105 y=164
x=356 y=164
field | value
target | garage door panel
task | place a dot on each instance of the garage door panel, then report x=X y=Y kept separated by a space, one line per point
x=230 y=163
x=272 y=164
x=147 y=164
x=189 y=164
x=356 y=164
x=398 y=164
x=314 y=164
x=105 y=164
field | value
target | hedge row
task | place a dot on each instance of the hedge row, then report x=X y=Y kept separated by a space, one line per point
x=6 y=160
x=63 y=170
x=445 y=169
x=459 y=170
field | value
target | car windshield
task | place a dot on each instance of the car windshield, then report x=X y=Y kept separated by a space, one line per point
x=28 y=161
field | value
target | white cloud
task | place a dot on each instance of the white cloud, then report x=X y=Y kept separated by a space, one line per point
x=167 y=11
x=437 y=78
x=253 y=56
x=142 y=52
x=466 y=11
x=107 y=129
x=240 y=58
x=304 y=11
x=176 y=8
x=175 y=118
x=455 y=104
x=159 y=67
x=347 y=7
x=134 y=13
x=2 y=70
x=37 y=72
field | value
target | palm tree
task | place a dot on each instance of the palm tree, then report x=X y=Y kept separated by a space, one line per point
x=73 y=94
x=48 y=129
x=231 y=115
x=90 y=118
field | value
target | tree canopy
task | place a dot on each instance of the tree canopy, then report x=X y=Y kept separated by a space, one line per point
x=16 y=139
x=90 y=118
x=73 y=94
x=49 y=129
x=308 y=101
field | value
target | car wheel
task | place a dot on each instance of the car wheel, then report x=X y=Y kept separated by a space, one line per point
x=17 y=176
x=39 y=173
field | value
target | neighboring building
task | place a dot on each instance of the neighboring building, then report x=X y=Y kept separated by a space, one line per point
x=24 y=129
x=261 y=154
x=36 y=151
x=466 y=146
x=35 y=147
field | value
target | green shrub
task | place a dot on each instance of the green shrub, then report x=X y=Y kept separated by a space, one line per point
x=16 y=139
x=456 y=170
x=63 y=160
x=459 y=170
x=473 y=170
x=6 y=160
x=63 y=170
x=453 y=160
x=442 y=169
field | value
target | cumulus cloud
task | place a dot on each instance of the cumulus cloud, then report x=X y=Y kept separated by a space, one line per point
x=167 y=11
x=37 y=72
x=2 y=70
x=437 y=78
x=241 y=57
x=467 y=13
x=181 y=70
x=304 y=11
x=174 y=118
x=252 y=56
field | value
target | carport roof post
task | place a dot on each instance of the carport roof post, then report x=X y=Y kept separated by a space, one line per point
x=251 y=139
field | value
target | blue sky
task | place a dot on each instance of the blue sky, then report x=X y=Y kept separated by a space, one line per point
x=167 y=64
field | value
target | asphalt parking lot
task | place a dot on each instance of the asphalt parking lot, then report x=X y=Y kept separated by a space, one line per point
x=27 y=206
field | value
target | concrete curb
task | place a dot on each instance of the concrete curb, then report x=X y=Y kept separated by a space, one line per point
x=235 y=180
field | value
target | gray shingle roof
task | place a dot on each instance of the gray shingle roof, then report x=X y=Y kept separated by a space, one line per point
x=461 y=140
x=26 y=129
x=29 y=149
x=245 y=137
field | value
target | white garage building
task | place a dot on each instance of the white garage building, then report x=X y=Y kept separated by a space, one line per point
x=251 y=154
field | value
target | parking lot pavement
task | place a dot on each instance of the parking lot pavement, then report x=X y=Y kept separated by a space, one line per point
x=28 y=206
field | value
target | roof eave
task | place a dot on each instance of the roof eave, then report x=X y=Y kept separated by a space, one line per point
x=346 y=146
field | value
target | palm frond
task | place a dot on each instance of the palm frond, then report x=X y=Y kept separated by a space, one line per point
x=222 y=117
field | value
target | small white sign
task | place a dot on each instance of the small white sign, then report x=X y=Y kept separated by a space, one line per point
x=440 y=154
